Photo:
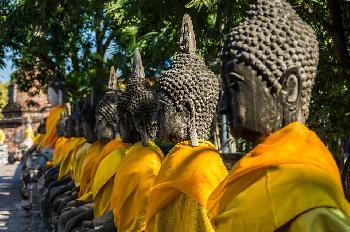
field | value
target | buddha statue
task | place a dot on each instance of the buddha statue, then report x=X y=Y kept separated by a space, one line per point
x=28 y=159
x=289 y=181
x=67 y=153
x=96 y=201
x=88 y=119
x=56 y=91
x=56 y=185
x=84 y=127
x=75 y=141
x=51 y=174
x=55 y=165
x=187 y=96
x=137 y=172
x=91 y=135
x=28 y=136
x=65 y=128
x=55 y=95
x=59 y=182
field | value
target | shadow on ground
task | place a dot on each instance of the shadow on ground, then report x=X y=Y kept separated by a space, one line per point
x=12 y=216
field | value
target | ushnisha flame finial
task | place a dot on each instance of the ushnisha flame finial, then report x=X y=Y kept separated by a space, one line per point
x=138 y=71
x=187 y=37
x=113 y=80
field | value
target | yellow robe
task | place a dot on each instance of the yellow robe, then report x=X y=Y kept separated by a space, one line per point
x=85 y=176
x=178 y=199
x=107 y=149
x=103 y=180
x=135 y=177
x=67 y=154
x=77 y=163
x=50 y=125
x=56 y=157
x=287 y=175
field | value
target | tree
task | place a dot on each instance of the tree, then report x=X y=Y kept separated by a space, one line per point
x=83 y=38
x=65 y=38
x=157 y=35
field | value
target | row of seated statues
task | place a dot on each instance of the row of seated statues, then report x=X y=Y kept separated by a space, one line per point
x=106 y=168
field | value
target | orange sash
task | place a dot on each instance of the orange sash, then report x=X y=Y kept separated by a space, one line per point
x=194 y=171
x=135 y=177
x=289 y=173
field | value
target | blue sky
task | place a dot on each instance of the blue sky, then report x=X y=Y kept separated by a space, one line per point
x=6 y=72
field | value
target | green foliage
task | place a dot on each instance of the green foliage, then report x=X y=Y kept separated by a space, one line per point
x=64 y=38
x=82 y=39
x=3 y=96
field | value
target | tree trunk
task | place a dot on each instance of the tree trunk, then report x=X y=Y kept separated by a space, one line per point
x=338 y=33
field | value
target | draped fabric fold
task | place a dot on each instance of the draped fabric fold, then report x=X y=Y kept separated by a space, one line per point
x=103 y=183
x=102 y=174
x=287 y=174
x=135 y=177
x=114 y=144
x=67 y=154
x=77 y=163
x=56 y=157
x=52 y=120
x=191 y=171
x=85 y=175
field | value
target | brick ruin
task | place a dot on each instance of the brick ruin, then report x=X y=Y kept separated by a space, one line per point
x=20 y=108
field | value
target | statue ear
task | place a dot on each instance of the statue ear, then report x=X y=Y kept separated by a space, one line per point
x=193 y=129
x=144 y=138
x=290 y=96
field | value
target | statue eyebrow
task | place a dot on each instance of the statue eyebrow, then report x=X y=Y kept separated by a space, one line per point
x=235 y=76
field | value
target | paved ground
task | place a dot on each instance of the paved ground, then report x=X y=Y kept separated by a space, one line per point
x=13 y=217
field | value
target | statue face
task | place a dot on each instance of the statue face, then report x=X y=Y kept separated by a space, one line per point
x=78 y=127
x=138 y=125
x=105 y=132
x=52 y=97
x=127 y=131
x=172 y=124
x=252 y=109
x=69 y=128
x=88 y=132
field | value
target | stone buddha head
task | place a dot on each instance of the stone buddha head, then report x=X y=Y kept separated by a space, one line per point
x=269 y=64
x=69 y=127
x=137 y=107
x=69 y=124
x=56 y=91
x=107 y=113
x=78 y=125
x=88 y=119
x=187 y=93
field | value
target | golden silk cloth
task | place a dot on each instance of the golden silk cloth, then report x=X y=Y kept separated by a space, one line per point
x=185 y=180
x=288 y=174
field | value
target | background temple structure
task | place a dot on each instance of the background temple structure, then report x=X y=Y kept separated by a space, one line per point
x=20 y=110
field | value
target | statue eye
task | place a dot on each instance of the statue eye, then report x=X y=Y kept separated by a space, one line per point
x=235 y=76
x=233 y=79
